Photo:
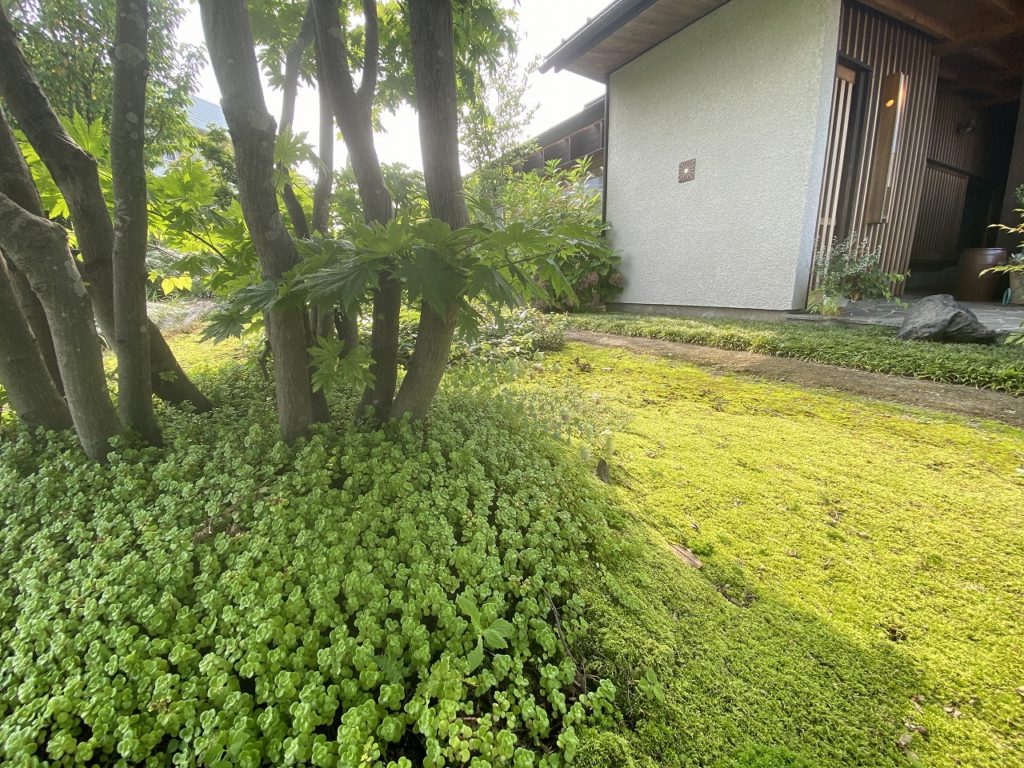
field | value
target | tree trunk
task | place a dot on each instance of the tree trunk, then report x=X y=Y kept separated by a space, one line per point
x=300 y=225
x=33 y=313
x=433 y=57
x=325 y=171
x=131 y=232
x=23 y=373
x=347 y=327
x=233 y=56
x=17 y=184
x=40 y=249
x=74 y=171
x=292 y=67
x=353 y=111
x=330 y=320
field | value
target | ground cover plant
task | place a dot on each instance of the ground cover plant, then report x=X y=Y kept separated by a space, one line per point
x=227 y=599
x=866 y=348
x=859 y=601
x=390 y=597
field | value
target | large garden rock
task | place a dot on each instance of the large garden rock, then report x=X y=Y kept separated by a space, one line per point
x=941 y=318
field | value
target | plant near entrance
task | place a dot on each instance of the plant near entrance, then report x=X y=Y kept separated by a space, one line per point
x=849 y=270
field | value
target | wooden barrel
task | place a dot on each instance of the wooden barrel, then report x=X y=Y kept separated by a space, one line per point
x=971 y=285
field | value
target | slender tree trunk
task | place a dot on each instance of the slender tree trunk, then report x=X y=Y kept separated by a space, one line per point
x=16 y=183
x=131 y=232
x=433 y=56
x=40 y=249
x=75 y=173
x=23 y=373
x=353 y=111
x=292 y=67
x=233 y=56
x=325 y=171
x=32 y=310
x=300 y=225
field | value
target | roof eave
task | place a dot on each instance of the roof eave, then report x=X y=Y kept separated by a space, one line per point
x=606 y=23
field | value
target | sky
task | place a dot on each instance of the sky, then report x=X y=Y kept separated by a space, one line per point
x=543 y=24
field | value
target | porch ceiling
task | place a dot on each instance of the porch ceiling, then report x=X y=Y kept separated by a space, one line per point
x=980 y=42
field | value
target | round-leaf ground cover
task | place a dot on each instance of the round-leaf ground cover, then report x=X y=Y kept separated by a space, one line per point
x=362 y=599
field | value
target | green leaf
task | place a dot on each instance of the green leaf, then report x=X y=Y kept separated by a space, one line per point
x=469 y=607
x=497 y=635
x=475 y=657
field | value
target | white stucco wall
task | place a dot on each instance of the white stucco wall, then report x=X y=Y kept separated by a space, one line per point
x=746 y=91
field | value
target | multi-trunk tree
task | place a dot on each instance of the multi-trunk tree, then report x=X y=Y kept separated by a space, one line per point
x=75 y=174
x=315 y=267
x=58 y=300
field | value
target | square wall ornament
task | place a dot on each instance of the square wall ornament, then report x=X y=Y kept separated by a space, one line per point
x=687 y=170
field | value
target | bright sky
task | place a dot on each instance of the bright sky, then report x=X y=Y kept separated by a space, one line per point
x=543 y=24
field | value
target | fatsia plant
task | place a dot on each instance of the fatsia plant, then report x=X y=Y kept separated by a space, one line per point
x=447 y=268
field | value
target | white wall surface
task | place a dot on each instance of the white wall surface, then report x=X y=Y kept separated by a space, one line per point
x=746 y=91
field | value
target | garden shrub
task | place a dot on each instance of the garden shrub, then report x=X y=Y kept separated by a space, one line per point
x=556 y=196
x=850 y=269
x=388 y=598
x=513 y=333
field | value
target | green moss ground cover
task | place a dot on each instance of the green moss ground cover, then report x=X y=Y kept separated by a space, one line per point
x=862 y=571
x=866 y=348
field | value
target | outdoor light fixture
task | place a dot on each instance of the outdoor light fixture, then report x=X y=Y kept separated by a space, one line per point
x=882 y=181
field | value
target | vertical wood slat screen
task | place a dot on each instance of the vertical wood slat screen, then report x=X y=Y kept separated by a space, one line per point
x=835 y=161
x=885 y=46
x=838 y=132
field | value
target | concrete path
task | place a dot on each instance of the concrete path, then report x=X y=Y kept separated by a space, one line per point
x=953 y=398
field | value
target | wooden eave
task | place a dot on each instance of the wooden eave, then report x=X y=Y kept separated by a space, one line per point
x=980 y=42
x=623 y=31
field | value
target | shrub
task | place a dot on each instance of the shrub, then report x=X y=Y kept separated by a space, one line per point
x=850 y=269
x=362 y=598
x=510 y=334
x=543 y=199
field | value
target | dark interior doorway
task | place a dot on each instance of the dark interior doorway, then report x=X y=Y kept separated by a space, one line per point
x=963 y=186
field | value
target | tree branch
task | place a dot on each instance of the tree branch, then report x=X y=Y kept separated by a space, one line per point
x=371 y=58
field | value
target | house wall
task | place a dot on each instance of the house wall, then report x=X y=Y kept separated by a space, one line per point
x=746 y=92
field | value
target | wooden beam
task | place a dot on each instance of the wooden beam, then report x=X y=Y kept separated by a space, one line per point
x=988 y=33
x=1011 y=8
x=901 y=10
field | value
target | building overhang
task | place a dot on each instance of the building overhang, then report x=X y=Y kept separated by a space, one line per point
x=980 y=42
x=621 y=32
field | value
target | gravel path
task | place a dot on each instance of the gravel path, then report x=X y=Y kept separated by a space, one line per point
x=953 y=398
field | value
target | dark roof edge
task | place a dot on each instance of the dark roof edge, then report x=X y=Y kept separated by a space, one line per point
x=606 y=23
x=590 y=114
